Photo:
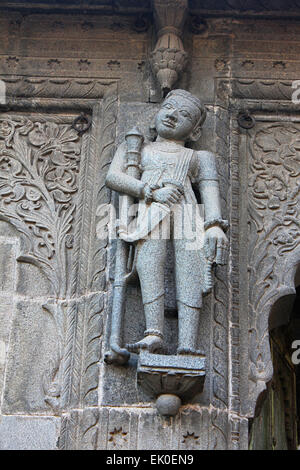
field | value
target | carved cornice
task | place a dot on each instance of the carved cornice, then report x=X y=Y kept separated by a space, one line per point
x=259 y=89
x=99 y=6
x=255 y=89
x=57 y=88
x=274 y=8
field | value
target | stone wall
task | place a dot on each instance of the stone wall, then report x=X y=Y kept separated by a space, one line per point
x=55 y=289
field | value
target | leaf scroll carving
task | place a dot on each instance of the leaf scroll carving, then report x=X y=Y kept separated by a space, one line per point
x=39 y=167
x=274 y=230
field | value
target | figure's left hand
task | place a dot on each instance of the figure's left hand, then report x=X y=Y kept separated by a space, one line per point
x=216 y=245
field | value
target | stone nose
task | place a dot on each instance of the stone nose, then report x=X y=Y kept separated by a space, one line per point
x=172 y=114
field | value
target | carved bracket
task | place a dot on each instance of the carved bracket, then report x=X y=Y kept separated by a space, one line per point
x=171 y=379
x=169 y=58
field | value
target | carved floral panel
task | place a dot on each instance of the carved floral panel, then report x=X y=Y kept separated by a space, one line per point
x=39 y=162
x=274 y=232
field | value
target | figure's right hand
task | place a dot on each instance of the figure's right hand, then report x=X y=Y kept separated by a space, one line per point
x=167 y=195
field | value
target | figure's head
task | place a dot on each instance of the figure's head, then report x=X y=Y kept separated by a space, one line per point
x=180 y=117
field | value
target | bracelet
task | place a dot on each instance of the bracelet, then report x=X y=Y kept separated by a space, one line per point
x=148 y=196
x=219 y=222
x=151 y=332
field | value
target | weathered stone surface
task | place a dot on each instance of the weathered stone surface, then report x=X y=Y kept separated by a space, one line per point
x=6 y=315
x=8 y=255
x=9 y=247
x=33 y=343
x=28 y=278
x=29 y=433
x=194 y=428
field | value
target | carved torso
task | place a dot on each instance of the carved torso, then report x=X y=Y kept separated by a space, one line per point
x=159 y=161
x=162 y=161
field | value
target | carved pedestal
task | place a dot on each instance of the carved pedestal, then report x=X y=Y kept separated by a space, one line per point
x=171 y=379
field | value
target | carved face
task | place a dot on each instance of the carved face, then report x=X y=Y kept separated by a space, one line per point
x=177 y=118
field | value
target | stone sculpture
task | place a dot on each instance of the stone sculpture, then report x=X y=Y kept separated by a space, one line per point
x=160 y=176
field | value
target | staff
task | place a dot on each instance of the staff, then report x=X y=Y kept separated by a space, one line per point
x=117 y=354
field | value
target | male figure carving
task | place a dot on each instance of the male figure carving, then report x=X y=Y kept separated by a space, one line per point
x=169 y=171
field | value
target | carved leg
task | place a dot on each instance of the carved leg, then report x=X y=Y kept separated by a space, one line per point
x=150 y=267
x=154 y=313
x=189 y=265
x=188 y=325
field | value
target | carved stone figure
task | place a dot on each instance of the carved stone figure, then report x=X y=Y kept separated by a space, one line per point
x=168 y=210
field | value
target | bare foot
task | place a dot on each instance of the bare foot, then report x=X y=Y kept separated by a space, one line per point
x=152 y=343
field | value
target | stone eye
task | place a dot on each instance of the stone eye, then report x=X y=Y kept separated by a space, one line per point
x=185 y=114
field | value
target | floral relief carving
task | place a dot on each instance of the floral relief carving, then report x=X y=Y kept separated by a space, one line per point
x=273 y=182
x=118 y=437
x=274 y=224
x=191 y=441
x=39 y=168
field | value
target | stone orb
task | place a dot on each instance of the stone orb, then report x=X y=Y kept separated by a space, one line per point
x=168 y=404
